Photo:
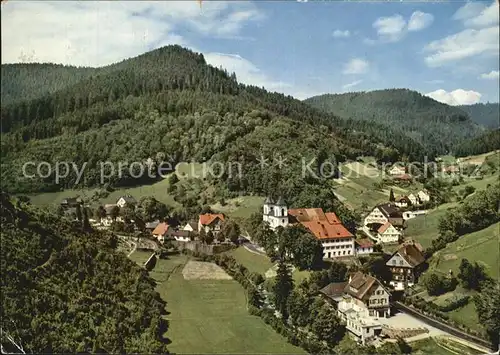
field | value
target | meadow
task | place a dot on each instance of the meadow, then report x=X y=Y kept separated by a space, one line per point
x=210 y=316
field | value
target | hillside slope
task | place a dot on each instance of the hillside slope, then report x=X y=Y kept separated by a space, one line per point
x=435 y=125
x=484 y=143
x=487 y=115
x=65 y=291
x=169 y=105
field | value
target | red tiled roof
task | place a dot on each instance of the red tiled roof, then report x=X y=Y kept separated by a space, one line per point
x=403 y=177
x=161 y=229
x=364 y=243
x=321 y=225
x=384 y=227
x=208 y=218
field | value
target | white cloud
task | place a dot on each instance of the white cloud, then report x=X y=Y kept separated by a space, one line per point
x=455 y=97
x=419 y=20
x=341 y=34
x=464 y=44
x=100 y=33
x=492 y=75
x=353 y=84
x=390 y=28
x=356 y=66
x=477 y=14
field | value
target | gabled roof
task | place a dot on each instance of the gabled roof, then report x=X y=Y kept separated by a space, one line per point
x=402 y=199
x=364 y=243
x=389 y=210
x=152 y=225
x=192 y=224
x=180 y=233
x=128 y=199
x=269 y=201
x=361 y=284
x=161 y=229
x=384 y=227
x=209 y=218
x=280 y=202
x=321 y=225
x=334 y=289
x=410 y=253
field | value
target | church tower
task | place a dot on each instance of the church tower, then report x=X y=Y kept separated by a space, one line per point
x=275 y=213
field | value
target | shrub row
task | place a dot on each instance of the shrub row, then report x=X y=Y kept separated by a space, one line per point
x=455 y=304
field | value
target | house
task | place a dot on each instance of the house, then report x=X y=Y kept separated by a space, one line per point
x=150 y=226
x=424 y=196
x=412 y=214
x=162 y=231
x=386 y=212
x=365 y=299
x=71 y=202
x=211 y=222
x=191 y=226
x=453 y=169
x=387 y=233
x=126 y=200
x=181 y=235
x=402 y=201
x=336 y=240
x=364 y=247
x=397 y=170
x=275 y=213
x=403 y=177
x=413 y=199
x=406 y=264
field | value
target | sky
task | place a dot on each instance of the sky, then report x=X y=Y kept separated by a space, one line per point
x=447 y=50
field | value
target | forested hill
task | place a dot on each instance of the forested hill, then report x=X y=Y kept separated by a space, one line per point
x=437 y=126
x=484 y=114
x=66 y=291
x=486 y=142
x=168 y=104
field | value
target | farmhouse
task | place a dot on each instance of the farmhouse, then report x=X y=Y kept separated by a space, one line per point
x=162 y=231
x=191 y=226
x=406 y=265
x=402 y=201
x=210 y=222
x=364 y=300
x=275 y=213
x=397 y=170
x=181 y=235
x=126 y=200
x=413 y=199
x=387 y=212
x=364 y=247
x=150 y=226
x=387 y=233
x=424 y=196
x=337 y=241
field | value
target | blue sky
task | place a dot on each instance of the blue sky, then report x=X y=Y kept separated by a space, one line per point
x=448 y=50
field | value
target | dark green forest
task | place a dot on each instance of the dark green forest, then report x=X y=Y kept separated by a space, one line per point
x=169 y=104
x=61 y=292
x=484 y=114
x=484 y=143
x=437 y=126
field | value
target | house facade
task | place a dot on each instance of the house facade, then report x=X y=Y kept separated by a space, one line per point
x=383 y=213
x=364 y=300
x=387 y=233
x=424 y=196
x=406 y=264
x=413 y=199
x=275 y=213
x=364 y=247
x=191 y=226
x=182 y=235
x=211 y=222
x=397 y=170
x=336 y=240
x=162 y=231
x=402 y=201
x=126 y=200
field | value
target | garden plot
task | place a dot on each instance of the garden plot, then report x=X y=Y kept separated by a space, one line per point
x=198 y=270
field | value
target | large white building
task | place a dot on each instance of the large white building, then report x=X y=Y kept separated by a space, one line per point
x=275 y=213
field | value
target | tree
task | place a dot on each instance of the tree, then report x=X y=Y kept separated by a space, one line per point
x=150 y=209
x=299 y=308
x=375 y=265
x=114 y=213
x=391 y=196
x=209 y=238
x=100 y=213
x=254 y=297
x=282 y=288
x=487 y=304
x=434 y=285
x=231 y=230
x=78 y=211
x=85 y=220
x=307 y=250
x=471 y=275
x=327 y=327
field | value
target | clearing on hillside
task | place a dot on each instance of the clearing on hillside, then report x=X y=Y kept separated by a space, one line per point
x=358 y=169
x=199 y=270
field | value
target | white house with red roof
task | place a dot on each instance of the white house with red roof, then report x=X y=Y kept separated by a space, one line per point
x=211 y=222
x=162 y=231
x=387 y=233
x=364 y=247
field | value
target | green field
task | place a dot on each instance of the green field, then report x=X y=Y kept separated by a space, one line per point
x=480 y=246
x=424 y=228
x=210 y=316
x=441 y=346
x=478 y=184
x=240 y=207
x=140 y=257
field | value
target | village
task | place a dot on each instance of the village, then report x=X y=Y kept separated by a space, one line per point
x=368 y=306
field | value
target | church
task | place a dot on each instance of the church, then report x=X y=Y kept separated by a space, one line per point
x=337 y=241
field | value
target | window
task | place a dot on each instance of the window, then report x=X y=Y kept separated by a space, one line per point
x=393 y=262
x=400 y=262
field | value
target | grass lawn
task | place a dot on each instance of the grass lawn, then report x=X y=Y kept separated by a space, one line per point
x=441 y=346
x=467 y=316
x=253 y=262
x=240 y=207
x=210 y=316
x=140 y=257
x=478 y=184
x=480 y=246
x=425 y=228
